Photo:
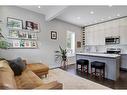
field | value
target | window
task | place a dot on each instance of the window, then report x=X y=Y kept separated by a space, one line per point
x=70 y=43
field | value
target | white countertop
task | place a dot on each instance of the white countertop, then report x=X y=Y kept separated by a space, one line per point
x=100 y=55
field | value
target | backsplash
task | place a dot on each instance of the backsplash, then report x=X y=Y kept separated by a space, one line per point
x=103 y=48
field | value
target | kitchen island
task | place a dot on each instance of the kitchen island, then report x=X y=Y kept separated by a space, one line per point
x=112 y=63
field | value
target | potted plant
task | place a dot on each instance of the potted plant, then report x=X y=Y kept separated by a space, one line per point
x=63 y=53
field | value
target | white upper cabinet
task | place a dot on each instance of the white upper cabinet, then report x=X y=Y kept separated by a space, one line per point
x=95 y=35
x=123 y=31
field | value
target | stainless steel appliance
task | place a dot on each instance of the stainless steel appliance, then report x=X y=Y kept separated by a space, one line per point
x=112 y=40
x=113 y=50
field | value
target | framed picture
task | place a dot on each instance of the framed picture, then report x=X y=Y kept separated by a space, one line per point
x=33 y=44
x=53 y=35
x=78 y=44
x=29 y=25
x=27 y=44
x=23 y=35
x=32 y=36
x=32 y=26
x=16 y=44
x=13 y=33
x=14 y=23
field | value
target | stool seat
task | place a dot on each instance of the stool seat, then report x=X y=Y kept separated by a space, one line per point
x=98 y=65
x=83 y=62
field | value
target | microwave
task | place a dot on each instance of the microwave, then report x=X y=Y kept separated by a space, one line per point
x=112 y=40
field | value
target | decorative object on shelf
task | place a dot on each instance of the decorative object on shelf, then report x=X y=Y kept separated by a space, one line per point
x=14 y=23
x=32 y=26
x=78 y=44
x=16 y=43
x=13 y=33
x=23 y=35
x=24 y=44
x=32 y=36
x=53 y=35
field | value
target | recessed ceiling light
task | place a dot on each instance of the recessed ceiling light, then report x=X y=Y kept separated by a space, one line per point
x=91 y=12
x=118 y=14
x=110 y=5
x=78 y=17
x=109 y=17
x=102 y=19
x=39 y=6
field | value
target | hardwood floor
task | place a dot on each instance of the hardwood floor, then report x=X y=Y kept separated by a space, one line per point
x=120 y=84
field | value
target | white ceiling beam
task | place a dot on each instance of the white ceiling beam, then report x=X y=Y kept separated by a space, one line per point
x=55 y=12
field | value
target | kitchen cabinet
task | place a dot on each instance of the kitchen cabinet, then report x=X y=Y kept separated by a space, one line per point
x=123 y=31
x=95 y=35
x=123 y=61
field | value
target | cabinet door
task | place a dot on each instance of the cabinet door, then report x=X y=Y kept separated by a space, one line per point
x=89 y=36
x=123 y=35
x=123 y=31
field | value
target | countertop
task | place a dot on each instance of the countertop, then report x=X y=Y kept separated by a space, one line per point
x=100 y=55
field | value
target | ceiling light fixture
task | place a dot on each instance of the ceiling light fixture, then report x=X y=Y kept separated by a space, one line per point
x=39 y=7
x=78 y=17
x=102 y=19
x=110 y=5
x=91 y=12
x=109 y=17
x=118 y=14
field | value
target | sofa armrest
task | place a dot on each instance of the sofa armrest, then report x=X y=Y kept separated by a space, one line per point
x=51 y=85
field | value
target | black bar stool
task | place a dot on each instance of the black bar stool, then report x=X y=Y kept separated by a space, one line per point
x=98 y=66
x=84 y=65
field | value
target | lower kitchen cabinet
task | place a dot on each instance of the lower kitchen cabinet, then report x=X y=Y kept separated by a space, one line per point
x=124 y=61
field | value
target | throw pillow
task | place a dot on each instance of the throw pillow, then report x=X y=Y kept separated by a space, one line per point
x=17 y=66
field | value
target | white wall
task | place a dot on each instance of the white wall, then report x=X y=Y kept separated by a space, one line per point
x=45 y=52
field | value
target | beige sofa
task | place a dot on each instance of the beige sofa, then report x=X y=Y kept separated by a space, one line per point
x=27 y=80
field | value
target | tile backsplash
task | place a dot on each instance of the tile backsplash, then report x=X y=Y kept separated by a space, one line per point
x=103 y=48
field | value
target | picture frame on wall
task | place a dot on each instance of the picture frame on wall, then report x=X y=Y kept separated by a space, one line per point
x=14 y=23
x=34 y=44
x=29 y=25
x=32 y=36
x=53 y=35
x=78 y=44
x=16 y=43
x=32 y=26
x=23 y=35
x=13 y=33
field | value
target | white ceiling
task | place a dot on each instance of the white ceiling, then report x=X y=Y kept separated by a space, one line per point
x=80 y=15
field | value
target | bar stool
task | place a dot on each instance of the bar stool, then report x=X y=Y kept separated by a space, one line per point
x=98 y=66
x=84 y=65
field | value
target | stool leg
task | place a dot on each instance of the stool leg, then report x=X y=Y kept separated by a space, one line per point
x=77 y=66
x=91 y=72
x=104 y=72
x=95 y=71
x=100 y=74
x=87 y=69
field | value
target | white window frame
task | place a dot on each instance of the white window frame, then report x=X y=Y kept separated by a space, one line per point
x=72 y=51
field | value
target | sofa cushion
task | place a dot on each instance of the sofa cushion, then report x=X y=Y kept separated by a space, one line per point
x=7 y=80
x=28 y=80
x=17 y=66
